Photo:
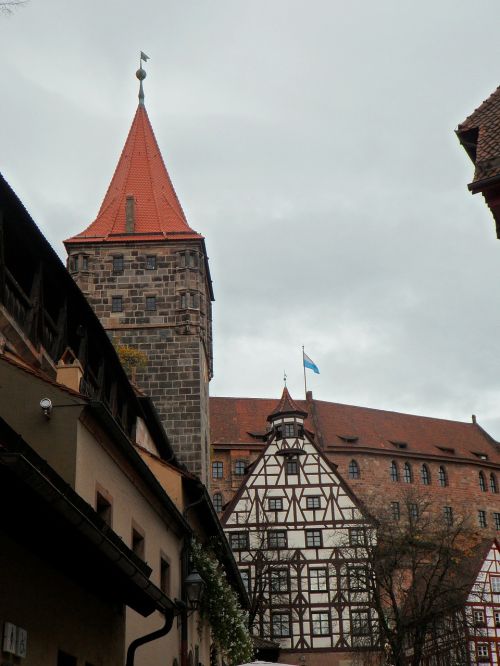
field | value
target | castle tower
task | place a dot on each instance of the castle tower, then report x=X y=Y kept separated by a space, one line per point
x=145 y=272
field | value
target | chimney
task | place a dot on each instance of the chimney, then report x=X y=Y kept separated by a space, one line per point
x=130 y=214
x=474 y=418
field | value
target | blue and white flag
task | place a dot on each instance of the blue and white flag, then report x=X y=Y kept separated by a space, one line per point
x=308 y=363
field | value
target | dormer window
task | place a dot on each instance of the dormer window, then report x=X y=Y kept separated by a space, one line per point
x=288 y=430
x=348 y=439
x=278 y=429
x=399 y=445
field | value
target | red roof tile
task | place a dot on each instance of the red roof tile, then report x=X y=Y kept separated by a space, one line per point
x=337 y=425
x=286 y=406
x=140 y=173
x=480 y=136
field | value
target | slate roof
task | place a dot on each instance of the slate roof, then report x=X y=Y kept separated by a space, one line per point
x=286 y=406
x=480 y=136
x=236 y=421
x=140 y=173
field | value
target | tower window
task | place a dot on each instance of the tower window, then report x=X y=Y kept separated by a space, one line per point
x=240 y=467
x=151 y=262
x=150 y=303
x=118 y=263
x=425 y=475
x=289 y=430
x=442 y=477
x=217 y=469
x=85 y=263
x=217 y=501
x=116 y=304
x=354 y=470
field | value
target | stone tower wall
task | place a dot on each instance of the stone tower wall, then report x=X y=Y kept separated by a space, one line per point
x=176 y=335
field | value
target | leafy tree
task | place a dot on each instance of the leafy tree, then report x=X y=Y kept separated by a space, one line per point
x=8 y=6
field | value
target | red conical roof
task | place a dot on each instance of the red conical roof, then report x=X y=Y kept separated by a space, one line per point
x=286 y=406
x=141 y=174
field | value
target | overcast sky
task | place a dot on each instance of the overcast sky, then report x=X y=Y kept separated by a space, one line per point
x=312 y=143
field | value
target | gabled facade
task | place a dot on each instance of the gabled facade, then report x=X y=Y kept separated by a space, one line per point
x=145 y=272
x=483 y=610
x=297 y=533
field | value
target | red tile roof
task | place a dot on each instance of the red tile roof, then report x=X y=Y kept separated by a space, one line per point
x=337 y=426
x=480 y=136
x=286 y=406
x=140 y=173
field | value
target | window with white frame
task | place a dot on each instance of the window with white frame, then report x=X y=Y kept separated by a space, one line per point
x=320 y=623
x=497 y=618
x=479 y=618
x=483 y=652
x=318 y=581
x=495 y=584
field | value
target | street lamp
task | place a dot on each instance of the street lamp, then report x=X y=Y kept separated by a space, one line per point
x=194 y=586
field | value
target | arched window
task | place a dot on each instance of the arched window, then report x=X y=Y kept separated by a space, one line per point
x=493 y=483
x=482 y=482
x=407 y=476
x=425 y=474
x=354 y=470
x=217 y=501
x=442 y=477
x=394 y=472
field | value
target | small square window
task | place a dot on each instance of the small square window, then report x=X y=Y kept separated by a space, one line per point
x=357 y=536
x=483 y=652
x=150 y=303
x=313 y=502
x=151 y=262
x=318 y=581
x=277 y=539
x=117 y=304
x=314 y=539
x=320 y=624
x=217 y=469
x=289 y=430
x=275 y=504
x=118 y=264
x=238 y=540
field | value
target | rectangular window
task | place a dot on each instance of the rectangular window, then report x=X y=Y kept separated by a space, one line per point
x=483 y=652
x=495 y=584
x=497 y=618
x=280 y=625
x=277 y=539
x=318 y=581
x=164 y=576
x=85 y=263
x=118 y=264
x=103 y=508
x=138 y=543
x=240 y=467
x=151 y=262
x=150 y=303
x=496 y=517
x=448 y=515
x=360 y=623
x=356 y=536
x=117 y=304
x=313 y=539
x=238 y=540
x=413 y=511
x=479 y=619
x=320 y=624
x=289 y=430
x=481 y=516
x=275 y=504
x=395 y=511
x=313 y=502
x=245 y=577
x=357 y=578
x=292 y=466
x=217 y=469
x=279 y=580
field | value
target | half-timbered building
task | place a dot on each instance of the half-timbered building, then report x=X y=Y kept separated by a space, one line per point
x=298 y=534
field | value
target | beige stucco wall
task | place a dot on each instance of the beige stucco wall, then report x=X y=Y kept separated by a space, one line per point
x=57 y=613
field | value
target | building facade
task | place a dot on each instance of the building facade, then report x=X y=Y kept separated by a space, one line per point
x=298 y=534
x=145 y=272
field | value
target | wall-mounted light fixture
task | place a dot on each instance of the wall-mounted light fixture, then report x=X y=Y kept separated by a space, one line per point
x=46 y=407
x=194 y=586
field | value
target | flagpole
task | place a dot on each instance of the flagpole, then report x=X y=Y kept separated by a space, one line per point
x=304 y=367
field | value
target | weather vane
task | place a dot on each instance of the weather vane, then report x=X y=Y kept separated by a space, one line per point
x=141 y=75
x=284 y=376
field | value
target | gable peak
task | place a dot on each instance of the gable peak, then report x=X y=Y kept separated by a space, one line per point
x=286 y=405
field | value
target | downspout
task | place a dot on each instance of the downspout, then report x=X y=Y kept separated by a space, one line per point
x=169 y=619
